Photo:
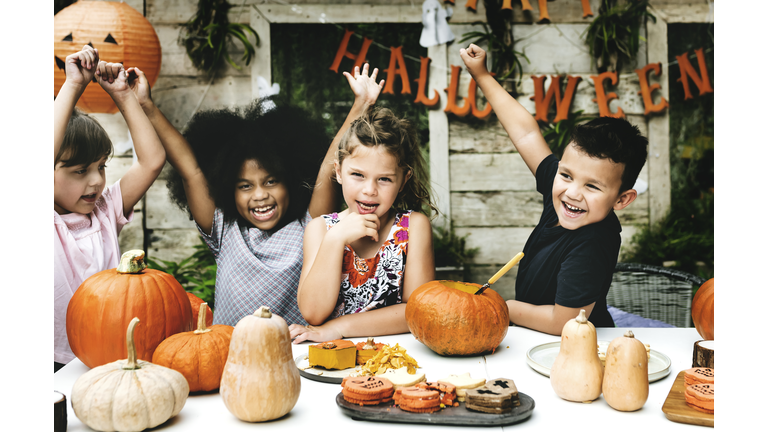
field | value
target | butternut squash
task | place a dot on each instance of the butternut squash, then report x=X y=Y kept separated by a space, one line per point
x=577 y=374
x=260 y=381
x=625 y=383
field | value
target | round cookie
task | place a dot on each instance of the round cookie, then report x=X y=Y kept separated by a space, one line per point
x=699 y=375
x=415 y=399
x=701 y=397
x=367 y=390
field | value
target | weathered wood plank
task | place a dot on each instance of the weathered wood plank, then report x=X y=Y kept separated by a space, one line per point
x=683 y=11
x=488 y=137
x=439 y=163
x=173 y=244
x=162 y=213
x=132 y=235
x=262 y=62
x=490 y=209
x=497 y=245
x=490 y=172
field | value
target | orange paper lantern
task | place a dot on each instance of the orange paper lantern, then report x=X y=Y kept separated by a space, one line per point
x=118 y=31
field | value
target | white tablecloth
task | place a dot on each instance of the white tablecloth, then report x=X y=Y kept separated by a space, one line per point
x=316 y=406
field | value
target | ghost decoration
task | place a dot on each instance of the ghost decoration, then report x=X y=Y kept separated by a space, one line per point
x=118 y=31
x=265 y=90
x=436 y=30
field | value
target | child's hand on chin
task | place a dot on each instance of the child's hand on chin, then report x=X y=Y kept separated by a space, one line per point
x=80 y=66
x=323 y=333
x=363 y=86
x=355 y=226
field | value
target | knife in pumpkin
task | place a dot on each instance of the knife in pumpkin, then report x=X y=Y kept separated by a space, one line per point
x=500 y=273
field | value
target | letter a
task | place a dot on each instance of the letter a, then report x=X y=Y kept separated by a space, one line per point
x=395 y=59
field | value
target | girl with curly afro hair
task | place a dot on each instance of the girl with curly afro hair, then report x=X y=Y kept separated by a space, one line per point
x=252 y=178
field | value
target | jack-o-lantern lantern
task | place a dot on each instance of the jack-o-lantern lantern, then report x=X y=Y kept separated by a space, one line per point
x=118 y=31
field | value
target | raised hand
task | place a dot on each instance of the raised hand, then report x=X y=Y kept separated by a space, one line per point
x=363 y=86
x=474 y=58
x=80 y=66
x=139 y=84
x=112 y=78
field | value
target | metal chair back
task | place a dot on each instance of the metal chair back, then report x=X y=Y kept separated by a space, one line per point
x=654 y=292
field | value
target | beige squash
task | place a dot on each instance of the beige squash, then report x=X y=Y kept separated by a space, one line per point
x=128 y=395
x=625 y=384
x=260 y=381
x=577 y=374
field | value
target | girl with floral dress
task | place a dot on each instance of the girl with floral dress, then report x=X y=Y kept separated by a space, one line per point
x=355 y=260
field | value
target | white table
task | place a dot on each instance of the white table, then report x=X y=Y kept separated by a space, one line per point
x=316 y=405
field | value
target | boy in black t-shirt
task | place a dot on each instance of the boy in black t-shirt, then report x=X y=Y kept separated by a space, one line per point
x=570 y=256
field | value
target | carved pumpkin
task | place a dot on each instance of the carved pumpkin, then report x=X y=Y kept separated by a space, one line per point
x=450 y=319
x=128 y=394
x=199 y=355
x=118 y=31
x=102 y=307
x=260 y=381
x=195 y=302
x=703 y=310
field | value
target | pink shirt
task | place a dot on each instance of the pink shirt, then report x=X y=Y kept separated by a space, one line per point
x=83 y=244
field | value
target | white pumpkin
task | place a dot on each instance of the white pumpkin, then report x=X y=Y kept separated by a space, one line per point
x=128 y=395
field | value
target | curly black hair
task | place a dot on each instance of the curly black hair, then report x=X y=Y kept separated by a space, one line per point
x=285 y=140
x=615 y=139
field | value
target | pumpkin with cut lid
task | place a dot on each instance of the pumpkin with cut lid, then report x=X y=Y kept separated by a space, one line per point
x=451 y=318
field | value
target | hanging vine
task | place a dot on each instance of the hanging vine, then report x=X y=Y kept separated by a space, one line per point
x=206 y=35
x=614 y=36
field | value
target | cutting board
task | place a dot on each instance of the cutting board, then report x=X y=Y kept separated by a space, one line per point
x=677 y=410
x=455 y=416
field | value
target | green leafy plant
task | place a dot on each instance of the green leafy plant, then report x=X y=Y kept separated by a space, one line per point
x=506 y=61
x=450 y=249
x=196 y=273
x=558 y=134
x=206 y=34
x=614 y=35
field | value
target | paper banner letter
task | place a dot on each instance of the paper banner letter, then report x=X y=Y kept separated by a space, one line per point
x=687 y=70
x=453 y=90
x=342 y=52
x=544 y=101
x=646 y=90
x=421 y=93
x=472 y=98
x=604 y=99
x=471 y=4
x=525 y=3
x=394 y=59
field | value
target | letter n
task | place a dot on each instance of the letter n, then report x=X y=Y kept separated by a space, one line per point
x=687 y=70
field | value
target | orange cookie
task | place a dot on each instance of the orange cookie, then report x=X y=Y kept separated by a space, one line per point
x=699 y=375
x=367 y=390
x=701 y=397
x=415 y=399
x=447 y=391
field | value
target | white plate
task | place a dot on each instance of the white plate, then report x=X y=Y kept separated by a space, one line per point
x=320 y=374
x=541 y=357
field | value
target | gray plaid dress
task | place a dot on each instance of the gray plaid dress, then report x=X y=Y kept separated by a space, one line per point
x=256 y=268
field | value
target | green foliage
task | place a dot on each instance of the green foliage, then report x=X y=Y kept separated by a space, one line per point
x=205 y=37
x=501 y=53
x=450 y=249
x=196 y=273
x=558 y=135
x=614 y=35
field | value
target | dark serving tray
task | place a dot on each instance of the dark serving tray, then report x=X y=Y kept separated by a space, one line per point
x=459 y=415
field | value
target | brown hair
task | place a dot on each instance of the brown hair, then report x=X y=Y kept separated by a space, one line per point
x=85 y=141
x=380 y=127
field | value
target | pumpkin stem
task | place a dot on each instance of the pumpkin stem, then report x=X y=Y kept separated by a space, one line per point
x=629 y=334
x=201 y=319
x=582 y=318
x=131 y=363
x=369 y=345
x=132 y=262
x=263 y=312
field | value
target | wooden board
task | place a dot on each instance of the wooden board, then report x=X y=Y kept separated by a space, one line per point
x=677 y=410
x=458 y=416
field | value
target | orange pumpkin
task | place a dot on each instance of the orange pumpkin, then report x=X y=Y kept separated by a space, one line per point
x=118 y=31
x=105 y=303
x=450 y=319
x=195 y=302
x=199 y=355
x=703 y=310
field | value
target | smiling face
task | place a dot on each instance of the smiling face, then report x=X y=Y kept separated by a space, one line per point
x=260 y=198
x=370 y=180
x=586 y=189
x=76 y=188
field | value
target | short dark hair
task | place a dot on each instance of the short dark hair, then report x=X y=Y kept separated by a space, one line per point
x=85 y=141
x=615 y=139
x=284 y=140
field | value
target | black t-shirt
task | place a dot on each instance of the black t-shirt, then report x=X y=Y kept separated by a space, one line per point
x=572 y=268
